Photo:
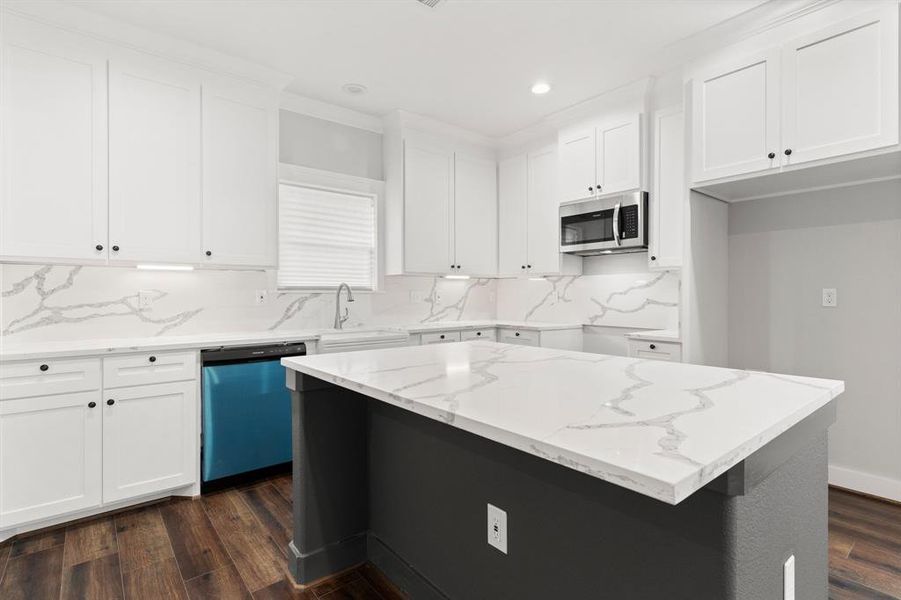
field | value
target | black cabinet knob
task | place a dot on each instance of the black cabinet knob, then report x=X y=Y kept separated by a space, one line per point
x=788 y=151
x=653 y=346
x=529 y=266
x=152 y=359
x=98 y=247
x=458 y=266
x=523 y=267
x=442 y=336
x=44 y=367
x=771 y=155
x=92 y=404
x=110 y=402
x=478 y=333
x=115 y=248
x=208 y=253
x=517 y=334
x=452 y=266
x=590 y=188
x=653 y=258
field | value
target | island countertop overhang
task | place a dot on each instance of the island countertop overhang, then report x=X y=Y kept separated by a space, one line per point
x=661 y=429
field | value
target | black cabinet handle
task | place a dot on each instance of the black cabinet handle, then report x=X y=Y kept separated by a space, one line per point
x=653 y=258
x=442 y=336
x=590 y=188
x=452 y=266
x=523 y=267
x=771 y=155
x=115 y=248
x=529 y=266
x=110 y=402
x=44 y=367
x=458 y=266
x=152 y=359
x=98 y=247
x=92 y=404
x=517 y=334
x=208 y=253
x=653 y=346
x=478 y=333
x=788 y=151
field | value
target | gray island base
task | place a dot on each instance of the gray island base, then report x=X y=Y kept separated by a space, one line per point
x=408 y=493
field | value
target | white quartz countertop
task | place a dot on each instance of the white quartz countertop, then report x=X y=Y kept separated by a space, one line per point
x=13 y=350
x=658 y=428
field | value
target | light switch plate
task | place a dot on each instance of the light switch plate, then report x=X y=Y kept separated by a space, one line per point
x=830 y=297
x=497 y=528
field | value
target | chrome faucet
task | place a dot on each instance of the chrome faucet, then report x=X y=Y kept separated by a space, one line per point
x=339 y=320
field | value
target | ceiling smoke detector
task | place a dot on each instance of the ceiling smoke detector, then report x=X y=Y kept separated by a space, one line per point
x=354 y=89
x=430 y=3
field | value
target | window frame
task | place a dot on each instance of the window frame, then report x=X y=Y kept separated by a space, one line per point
x=327 y=181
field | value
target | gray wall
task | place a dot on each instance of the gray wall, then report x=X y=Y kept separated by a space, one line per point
x=782 y=252
x=320 y=144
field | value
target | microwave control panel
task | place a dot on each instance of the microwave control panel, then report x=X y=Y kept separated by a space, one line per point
x=629 y=216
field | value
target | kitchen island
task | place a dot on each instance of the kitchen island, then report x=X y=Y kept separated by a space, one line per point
x=620 y=478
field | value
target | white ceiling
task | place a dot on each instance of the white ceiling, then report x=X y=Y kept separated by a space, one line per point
x=468 y=62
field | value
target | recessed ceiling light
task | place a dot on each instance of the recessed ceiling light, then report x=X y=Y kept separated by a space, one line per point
x=541 y=88
x=354 y=89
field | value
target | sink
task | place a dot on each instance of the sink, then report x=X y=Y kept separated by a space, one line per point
x=363 y=339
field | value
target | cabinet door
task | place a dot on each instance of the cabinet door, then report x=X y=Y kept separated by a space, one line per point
x=577 y=165
x=736 y=118
x=840 y=89
x=475 y=215
x=669 y=190
x=512 y=215
x=50 y=456
x=543 y=213
x=240 y=176
x=440 y=337
x=53 y=198
x=154 y=120
x=428 y=208
x=619 y=155
x=149 y=439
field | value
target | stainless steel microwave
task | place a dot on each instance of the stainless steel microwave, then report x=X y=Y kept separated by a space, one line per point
x=605 y=225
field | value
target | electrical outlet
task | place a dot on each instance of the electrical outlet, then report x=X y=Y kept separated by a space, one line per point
x=788 y=579
x=261 y=296
x=145 y=299
x=497 y=528
x=830 y=297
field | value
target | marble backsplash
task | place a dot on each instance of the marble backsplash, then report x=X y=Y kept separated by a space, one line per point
x=59 y=303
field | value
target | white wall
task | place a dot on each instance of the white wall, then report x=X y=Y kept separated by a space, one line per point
x=782 y=252
x=320 y=144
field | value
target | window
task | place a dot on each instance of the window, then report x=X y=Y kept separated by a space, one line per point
x=326 y=237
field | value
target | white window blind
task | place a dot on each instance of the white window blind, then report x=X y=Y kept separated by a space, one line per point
x=325 y=238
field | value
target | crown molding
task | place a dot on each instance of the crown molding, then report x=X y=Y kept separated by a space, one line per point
x=330 y=112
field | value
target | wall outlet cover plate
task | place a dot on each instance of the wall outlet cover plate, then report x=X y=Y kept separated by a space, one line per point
x=497 y=528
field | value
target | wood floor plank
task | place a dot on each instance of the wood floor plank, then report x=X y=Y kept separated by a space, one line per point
x=89 y=541
x=840 y=544
x=380 y=583
x=273 y=512
x=196 y=544
x=38 y=541
x=282 y=484
x=358 y=589
x=841 y=589
x=222 y=584
x=877 y=555
x=333 y=583
x=157 y=581
x=865 y=574
x=97 y=579
x=33 y=575
x=4 y=555
x=142 y=539
x=283 y=590
x=256 y=554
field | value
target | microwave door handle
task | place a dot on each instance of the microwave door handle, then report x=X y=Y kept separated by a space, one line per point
x=616 y=224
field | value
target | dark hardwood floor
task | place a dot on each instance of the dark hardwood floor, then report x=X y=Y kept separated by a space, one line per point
x=232 y=544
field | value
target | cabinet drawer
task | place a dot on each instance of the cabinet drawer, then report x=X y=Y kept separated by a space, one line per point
x=440 y=337
x=149 y=367
x=479 y=334
x=656 y=350
x=519 y=336
x=48 y=377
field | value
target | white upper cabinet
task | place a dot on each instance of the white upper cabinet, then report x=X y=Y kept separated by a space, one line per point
x=428 y=208
x=512 y=220
x=475 y=215
x=669 y=190
x=53 y=199
x=825 y=95
x=543 y=213
x=578 y=166
x=240 y=175
x=154 y=120
x=604 y=158
x=619 y=155
x=736 y=117
x=840 y=89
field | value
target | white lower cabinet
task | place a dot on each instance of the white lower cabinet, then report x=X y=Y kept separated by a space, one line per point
x=70 y=447
x=50 y=456
x=671 y=351
x=478 y=334
x=149 y=441
x=440 y=337
x=517 y=336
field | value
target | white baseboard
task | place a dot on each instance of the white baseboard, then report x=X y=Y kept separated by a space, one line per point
x=867 y=483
